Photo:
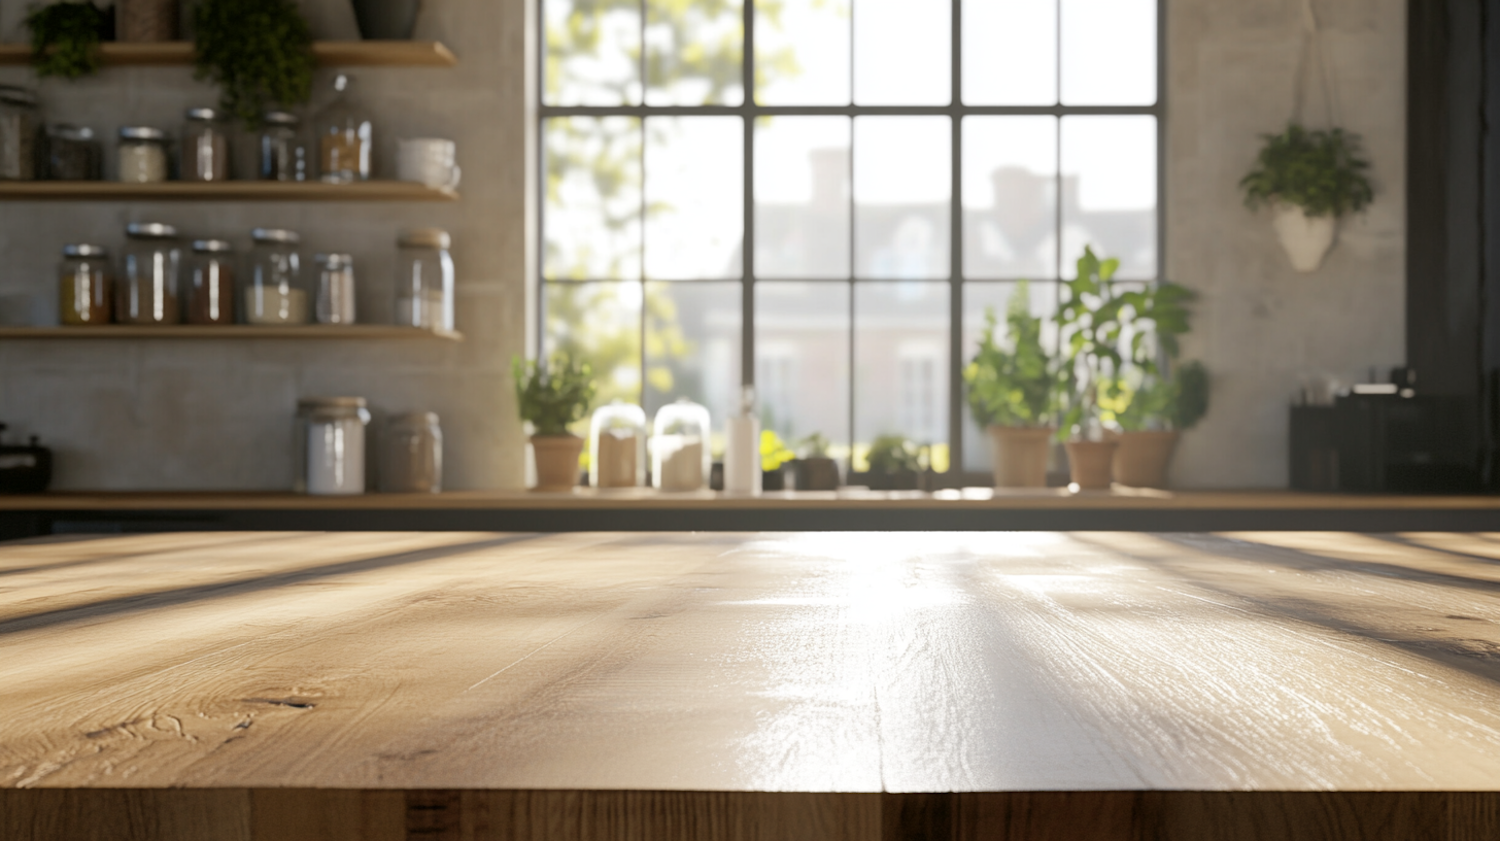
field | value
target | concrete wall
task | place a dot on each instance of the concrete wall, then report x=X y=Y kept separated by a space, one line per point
x=218 y=414
x=1261 y=326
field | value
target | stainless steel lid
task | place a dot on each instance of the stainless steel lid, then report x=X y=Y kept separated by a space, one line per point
x=413 y=419
x=425 y=238
x=207 y=115
x=212 y=246
x=280 y=118
x=141 y=133
x=82 y=249
x=150 y=230
x=66 y=131
x=335 y=261
x=12 y=95
x=275 y=235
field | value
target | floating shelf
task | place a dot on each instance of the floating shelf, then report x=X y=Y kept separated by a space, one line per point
x=332 y=53
x=231 y=331
x=383 y=191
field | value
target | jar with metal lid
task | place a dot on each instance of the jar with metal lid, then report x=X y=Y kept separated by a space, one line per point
x=83 y=286
x=617 y=446
x=211 y=289
x=146 y=292
x=345 y=138
x=73 y=154
x=275 y=294
x=335 y=289
x=283 y=151
x=424 y=279
x=680 y=458
x=205 y=146
x=18 y=132
x=143 y=155
x=330 y=445
x=411 y=454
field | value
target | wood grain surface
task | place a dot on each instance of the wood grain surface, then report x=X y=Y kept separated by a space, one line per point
x=892 y=686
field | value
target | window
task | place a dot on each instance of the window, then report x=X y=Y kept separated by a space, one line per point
x=823 y=197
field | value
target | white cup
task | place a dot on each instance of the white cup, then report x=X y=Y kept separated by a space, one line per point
x=428 y=160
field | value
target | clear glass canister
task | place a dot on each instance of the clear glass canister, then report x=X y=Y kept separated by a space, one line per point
x=275 y=294
x=680 y=459
x=205 y=146
x=83 y=286
x=283 y=152
x=411 y=454
x=18 y=132
x=143 y=155
x=424 y=279
x=73 y=154
x=617 y=446
x=335 y=289
x=345 y=137
x=211 y=288
x=330 y=445
x=146 y=291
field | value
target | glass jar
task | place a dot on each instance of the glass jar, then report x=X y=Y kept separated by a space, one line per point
x=83 y=286
x=18 y=131
x=143 y=155
x=145 y=20
x=205 y=146
x=680 y=460
x=283 y=152
x=411 y=454
x=617 y=446
x=275 y=294
x=424 y=279
x=330 y=445
x=73 y=154
x=335 y=289
x=211 y=289
x=146 y=292
x=345 y=137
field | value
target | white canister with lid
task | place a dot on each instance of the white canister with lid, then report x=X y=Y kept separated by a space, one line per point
x=330 y=444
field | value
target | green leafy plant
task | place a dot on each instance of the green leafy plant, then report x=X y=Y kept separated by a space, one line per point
x=259 y=53
x=65 y=38
x=553 y=394
x=1322 y=172
x=814 y=446
x=1092 y=320
x=1176 y=401
x=1012 y=383
x=894 y=454
x=773 y=451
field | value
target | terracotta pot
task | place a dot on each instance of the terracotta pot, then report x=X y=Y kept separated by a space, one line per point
x=1090 y=463
x=1142 y=458
x=1018 y=455
x=1305 y=238
x=556 y=461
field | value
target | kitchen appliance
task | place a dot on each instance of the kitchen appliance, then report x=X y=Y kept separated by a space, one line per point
x=24 y=469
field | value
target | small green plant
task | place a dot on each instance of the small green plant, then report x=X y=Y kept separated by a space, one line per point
x=65 y=38
x=553 y=394
x=1012 y=383
x=1322 y=172
x=894 y=454
x=259 y=53
x=814 y=446
x=1092 y=320
x=1177 y=401
x=773 y=451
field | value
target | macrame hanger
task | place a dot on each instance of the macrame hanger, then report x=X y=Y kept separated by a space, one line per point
x=1312 y=51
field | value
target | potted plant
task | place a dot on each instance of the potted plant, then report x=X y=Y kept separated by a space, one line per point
x=259 y=53
x=815 y=470
x=894 y=464
x=1154 y=414
x=551 y=395
x=1309 y=179
x=386 y=20
x=65 y=38
x=774 y=453
x=1091 y=324
x=1011 y=389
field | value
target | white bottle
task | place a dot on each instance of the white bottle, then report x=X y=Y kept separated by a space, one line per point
x=742 y=449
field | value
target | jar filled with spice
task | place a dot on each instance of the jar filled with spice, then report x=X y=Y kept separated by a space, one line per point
x=143 y=155
x=345 y=138
x=680 y=459
x=335 y=289
x=146 y=292
x=205 y=146
x=617 y=446
x=145 y=20
x=18 y=132
x=210 y=294
x=283 y=152
x=275 y=294
x=73 y=154
x=424 y=279
x=330 y=445
x=411 y=454
x=83 y=286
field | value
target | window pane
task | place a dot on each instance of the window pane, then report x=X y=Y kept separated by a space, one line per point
x=802 y=52
x=1010 y=52
x=1108 y=52
x=902 y=184
x=693 y=346
x=1109 y=191
x=599 y=322
x=802 y=197
x=694 y=197
x=693 y=52
x=902 y=52
x=979 y=297
x=1010 y=197
x=593 y=52
x=593 y=201
x=901 y=365
x=802 y=361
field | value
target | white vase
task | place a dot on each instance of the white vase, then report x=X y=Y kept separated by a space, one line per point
x=1305 y=238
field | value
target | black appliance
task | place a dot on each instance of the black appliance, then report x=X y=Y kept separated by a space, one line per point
x=1386 y=443
x=24 y=469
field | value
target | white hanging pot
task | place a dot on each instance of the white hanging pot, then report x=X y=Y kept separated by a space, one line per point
x=1305 y=238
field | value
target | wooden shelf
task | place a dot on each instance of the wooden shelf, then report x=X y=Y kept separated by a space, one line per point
x=328 y=53
x=231 y=331
x=301 y=191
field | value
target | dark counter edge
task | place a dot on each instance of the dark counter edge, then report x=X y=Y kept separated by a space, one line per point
x=21 y=524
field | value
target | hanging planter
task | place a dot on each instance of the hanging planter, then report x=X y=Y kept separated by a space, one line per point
x=1309 y=179
x=1305 y=238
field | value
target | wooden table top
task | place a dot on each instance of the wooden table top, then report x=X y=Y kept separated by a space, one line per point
x=752 y=662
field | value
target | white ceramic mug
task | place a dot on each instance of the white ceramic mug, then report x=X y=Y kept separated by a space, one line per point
x=428 y=160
